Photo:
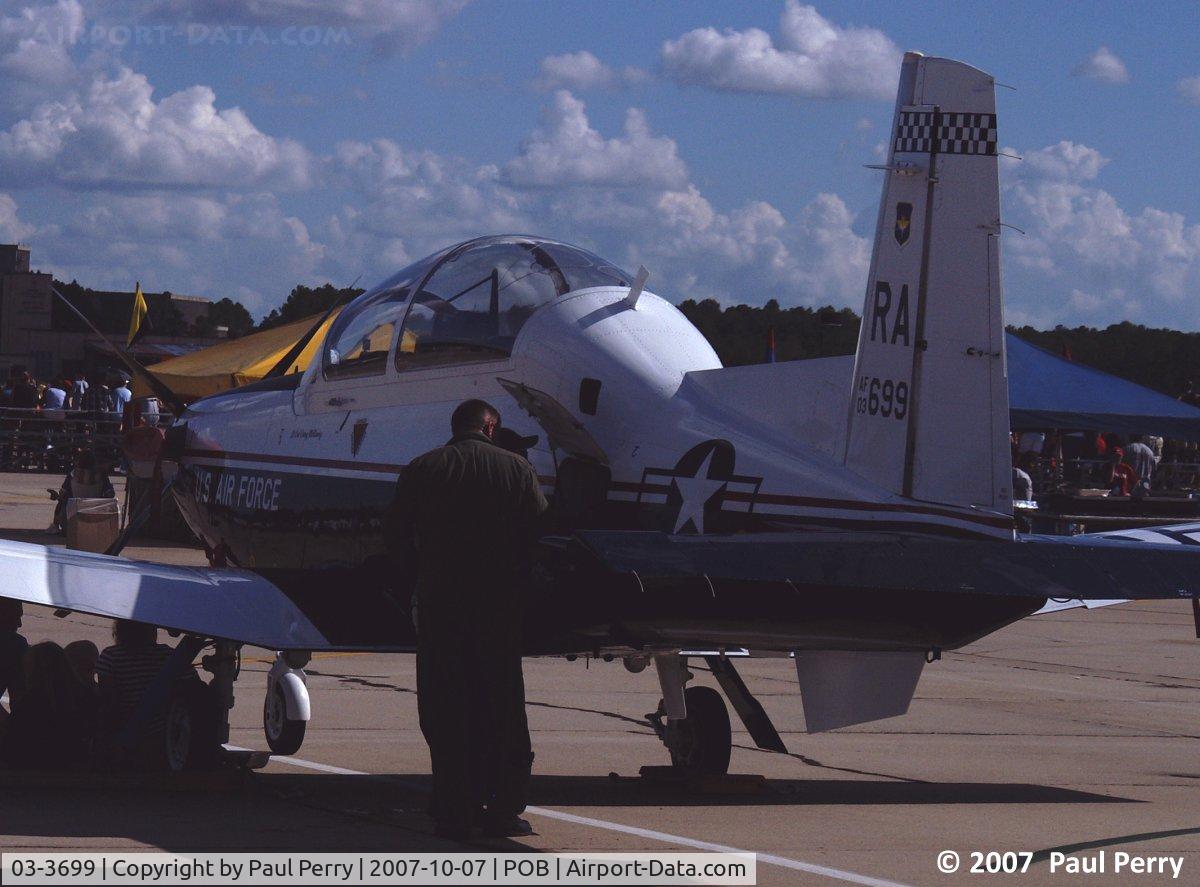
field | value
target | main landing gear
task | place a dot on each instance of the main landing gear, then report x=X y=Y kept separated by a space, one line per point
x=693 y=722
x=197 y=713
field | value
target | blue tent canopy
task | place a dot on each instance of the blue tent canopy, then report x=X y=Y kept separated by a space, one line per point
x=1048 y=391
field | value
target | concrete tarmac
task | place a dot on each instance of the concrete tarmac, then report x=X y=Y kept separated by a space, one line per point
x=1073 y=731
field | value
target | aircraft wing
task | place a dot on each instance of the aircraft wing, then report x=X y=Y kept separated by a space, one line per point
x=226 y=603
x=1062 y=568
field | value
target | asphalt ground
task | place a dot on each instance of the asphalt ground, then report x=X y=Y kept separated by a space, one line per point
x=1075 y=730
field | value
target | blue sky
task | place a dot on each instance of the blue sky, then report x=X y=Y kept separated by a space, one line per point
x=230 y=147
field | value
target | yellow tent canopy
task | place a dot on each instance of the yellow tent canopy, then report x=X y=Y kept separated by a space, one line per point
x=236 y=362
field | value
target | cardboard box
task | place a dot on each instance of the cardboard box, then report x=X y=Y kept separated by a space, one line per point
x=92 y=524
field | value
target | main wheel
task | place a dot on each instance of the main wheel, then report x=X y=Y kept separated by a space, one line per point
x=189 y=734
x=701 y=743
x=178 y=735
x=284 y=735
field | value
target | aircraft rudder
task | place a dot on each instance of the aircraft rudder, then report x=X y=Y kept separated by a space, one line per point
x=928 y=417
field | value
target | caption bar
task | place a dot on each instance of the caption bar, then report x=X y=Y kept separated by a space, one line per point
x=379 y=868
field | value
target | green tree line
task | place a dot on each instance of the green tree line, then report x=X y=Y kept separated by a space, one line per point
x=1162 y=359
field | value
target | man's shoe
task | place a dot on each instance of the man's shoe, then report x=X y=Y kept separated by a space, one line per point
x=510 y=827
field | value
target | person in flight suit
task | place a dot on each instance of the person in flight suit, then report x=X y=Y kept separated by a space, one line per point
x=472 y=509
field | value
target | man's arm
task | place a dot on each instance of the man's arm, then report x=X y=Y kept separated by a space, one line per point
x=400 y=523
x=535 y=503
x=400 y=536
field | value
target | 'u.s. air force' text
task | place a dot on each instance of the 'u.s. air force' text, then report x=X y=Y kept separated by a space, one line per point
x=236 y=490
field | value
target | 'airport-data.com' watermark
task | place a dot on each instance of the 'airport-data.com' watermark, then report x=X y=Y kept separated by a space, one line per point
x=195 y=34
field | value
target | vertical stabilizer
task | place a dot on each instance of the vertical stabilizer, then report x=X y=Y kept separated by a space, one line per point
x=929 y=408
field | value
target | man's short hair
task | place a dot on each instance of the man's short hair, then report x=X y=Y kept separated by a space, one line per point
x=138 y=635
x=472 y=415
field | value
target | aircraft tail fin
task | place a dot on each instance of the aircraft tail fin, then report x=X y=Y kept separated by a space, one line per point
x=928 y=414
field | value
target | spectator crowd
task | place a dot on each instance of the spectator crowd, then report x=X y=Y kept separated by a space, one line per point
x=106 y=392
x=80 y=708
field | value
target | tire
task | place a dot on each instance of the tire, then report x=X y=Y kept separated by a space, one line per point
x=701 y=743
x=190 y=732
x=284 y=736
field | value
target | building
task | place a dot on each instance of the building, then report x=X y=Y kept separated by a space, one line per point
x=41 y=335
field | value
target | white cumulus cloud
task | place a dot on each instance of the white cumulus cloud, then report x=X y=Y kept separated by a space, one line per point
x=12 y=229
x=810 y=56
x=411 y=202
x=1103 y=65
x=583 y=71
x=113 y=134
x=240 y=245
x=35 y=44
x=566 y=150
x=1108 y=262
x=1067 y=161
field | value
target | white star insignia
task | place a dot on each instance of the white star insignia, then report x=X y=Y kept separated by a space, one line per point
x=696 y=492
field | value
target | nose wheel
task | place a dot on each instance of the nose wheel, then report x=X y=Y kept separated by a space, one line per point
x=286 y=707
x=701 y=743
x=284 y=735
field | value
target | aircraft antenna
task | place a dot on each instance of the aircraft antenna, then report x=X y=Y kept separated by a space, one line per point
x=639 y=282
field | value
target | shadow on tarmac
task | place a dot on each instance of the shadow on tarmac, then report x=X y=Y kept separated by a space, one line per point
x=599 y=791
x=625 y=791
x=268 y=812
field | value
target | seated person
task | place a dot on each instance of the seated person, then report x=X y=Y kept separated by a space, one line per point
x=124 y=672
x=87 y=480
x=12 y=649
x=83 y=655
x=53 y=722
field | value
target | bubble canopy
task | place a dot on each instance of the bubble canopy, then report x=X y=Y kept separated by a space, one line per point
x=464 y=304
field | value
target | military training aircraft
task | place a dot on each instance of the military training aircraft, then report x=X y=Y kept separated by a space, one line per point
x=698 y=511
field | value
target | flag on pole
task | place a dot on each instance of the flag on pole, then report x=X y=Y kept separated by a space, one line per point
x=770 y=356
x=139 y=320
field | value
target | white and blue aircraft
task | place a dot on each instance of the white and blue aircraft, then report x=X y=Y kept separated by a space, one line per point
x=699 y=510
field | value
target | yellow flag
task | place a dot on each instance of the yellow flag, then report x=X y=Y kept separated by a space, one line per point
x=139 y=320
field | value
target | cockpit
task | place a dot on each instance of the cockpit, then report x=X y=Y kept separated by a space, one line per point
x=465 y=304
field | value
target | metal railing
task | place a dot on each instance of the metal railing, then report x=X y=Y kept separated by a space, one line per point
x=48 y=439
x=1080 y=473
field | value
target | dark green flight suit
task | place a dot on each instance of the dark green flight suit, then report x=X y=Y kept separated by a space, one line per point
x=471 y=507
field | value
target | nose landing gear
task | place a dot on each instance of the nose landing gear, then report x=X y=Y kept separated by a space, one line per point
x=286 y=708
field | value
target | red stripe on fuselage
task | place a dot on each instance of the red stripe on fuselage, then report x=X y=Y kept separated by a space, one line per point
x=629 y=487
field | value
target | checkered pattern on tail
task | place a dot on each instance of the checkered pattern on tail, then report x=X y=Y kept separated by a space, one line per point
x=915 y=131
x=930 y=132
x=966 y=134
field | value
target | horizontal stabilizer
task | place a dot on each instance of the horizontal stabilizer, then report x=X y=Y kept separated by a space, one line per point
x=230 y=604
x=1055 y=567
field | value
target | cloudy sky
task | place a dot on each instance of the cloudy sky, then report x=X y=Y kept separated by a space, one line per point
x=238 y=147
